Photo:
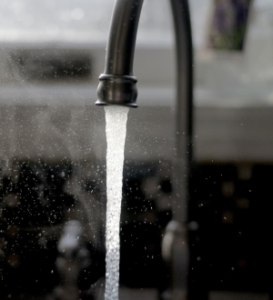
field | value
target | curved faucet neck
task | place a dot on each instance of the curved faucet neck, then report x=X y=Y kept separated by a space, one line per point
x=122 y=38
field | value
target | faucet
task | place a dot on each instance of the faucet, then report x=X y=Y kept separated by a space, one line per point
x=118 y=87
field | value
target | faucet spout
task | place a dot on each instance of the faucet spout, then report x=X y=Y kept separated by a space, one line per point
x=117 y=84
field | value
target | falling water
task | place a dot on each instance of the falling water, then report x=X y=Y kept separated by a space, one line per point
x=116 y=119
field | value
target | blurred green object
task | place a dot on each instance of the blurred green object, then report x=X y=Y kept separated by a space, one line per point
x=229 y=24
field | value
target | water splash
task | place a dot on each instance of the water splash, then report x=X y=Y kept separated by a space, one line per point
x=116 y=119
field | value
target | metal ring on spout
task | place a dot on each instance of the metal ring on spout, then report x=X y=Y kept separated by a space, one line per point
x=117 y=90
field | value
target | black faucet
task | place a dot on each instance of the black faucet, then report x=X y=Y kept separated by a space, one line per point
x=118 y=87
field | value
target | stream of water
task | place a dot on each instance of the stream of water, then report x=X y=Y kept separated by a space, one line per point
x=116 y=120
